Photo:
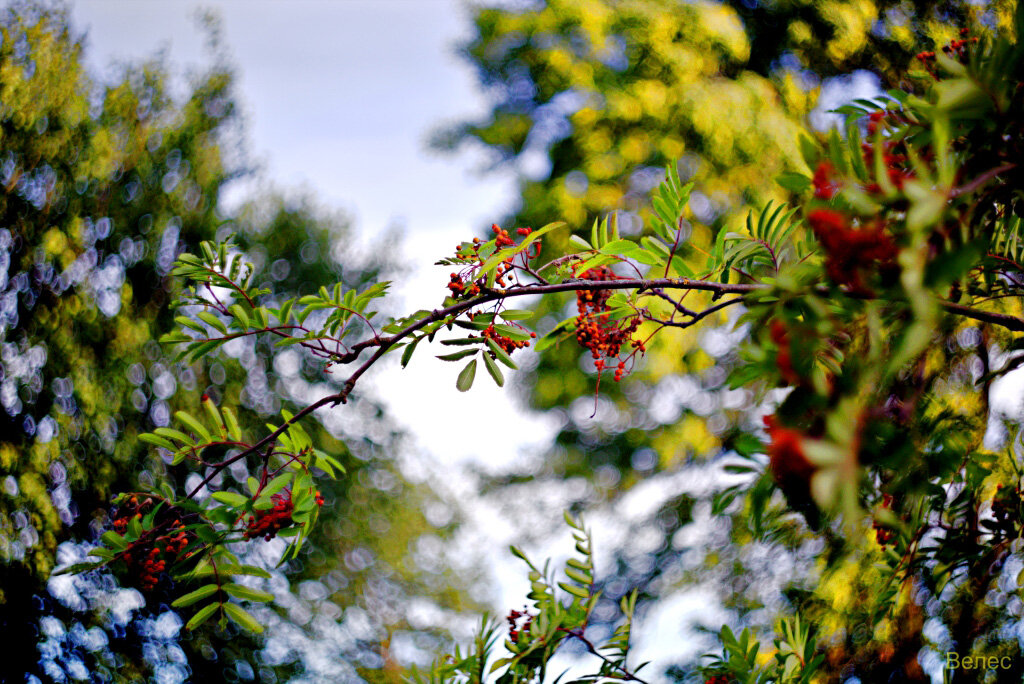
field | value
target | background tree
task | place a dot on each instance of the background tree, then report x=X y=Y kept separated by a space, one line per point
x=880 y=310
x=103 y=186
x=590 y=102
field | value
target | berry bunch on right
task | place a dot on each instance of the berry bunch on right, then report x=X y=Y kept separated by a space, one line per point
x=267 y=523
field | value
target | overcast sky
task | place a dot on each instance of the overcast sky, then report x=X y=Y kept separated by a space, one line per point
x=338 y=95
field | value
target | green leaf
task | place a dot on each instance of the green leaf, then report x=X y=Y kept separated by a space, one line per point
x=516 y=314
x=226 y=570
x=285 y=311
x=465 y=380
x=809 y=150
x=157 y=440
x=201 y=616
x=493 y=369
x=102 y=552
x=538 y=234
x=796 y=183
x=247 y=593
x=190 y=324
x=171 y=433
x=231 y=423
x=511 y=332
x=501 y=354
x=579 y=565
x=242 y=618
x=461 y=354
x=114 y=540
x=462 y=341
x=195 y=596
x=594 y=262
x=518 y=553
x=211 y=410
x=555 y=335
x=190 y=421
x=214 y=322
x=277 y=484
x=230 y=498
x=577 y=241
x=409 y=349
x=577 y=576
x=238 y=312
x=574 y=590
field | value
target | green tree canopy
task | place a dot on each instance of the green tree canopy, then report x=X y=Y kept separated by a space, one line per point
x=590 y=101
x=104 y=184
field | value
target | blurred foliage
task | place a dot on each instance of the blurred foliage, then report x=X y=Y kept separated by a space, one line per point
x=589 y=101
x=103 y=185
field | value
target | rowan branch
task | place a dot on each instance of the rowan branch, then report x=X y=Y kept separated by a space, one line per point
x=656 y=285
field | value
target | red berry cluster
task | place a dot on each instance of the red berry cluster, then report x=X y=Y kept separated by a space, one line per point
x=501 y=237
x=157 y=548
x=957 y=49
x=594 y=329
x=825 y=187
x=884 y=535
x=507 y=344
x=459 y=286
x=784 y=359
x=790 y=467
x=849 y=250
x=719 y=679
x=132 y=507
x=895 y=163
x=267 y=523
x=148 y=557
x=515 y=628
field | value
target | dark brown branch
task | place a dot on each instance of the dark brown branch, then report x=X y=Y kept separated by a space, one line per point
x=980 y=180
x=678 y=305
x=696 y=315
x=626 y=674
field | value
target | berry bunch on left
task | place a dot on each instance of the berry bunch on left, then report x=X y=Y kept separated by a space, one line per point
x=468 y=282
x=157 y=547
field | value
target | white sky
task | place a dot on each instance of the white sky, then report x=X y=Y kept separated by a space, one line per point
x=339 y=97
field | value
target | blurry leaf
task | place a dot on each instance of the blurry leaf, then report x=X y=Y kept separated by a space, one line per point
x=796 y=183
